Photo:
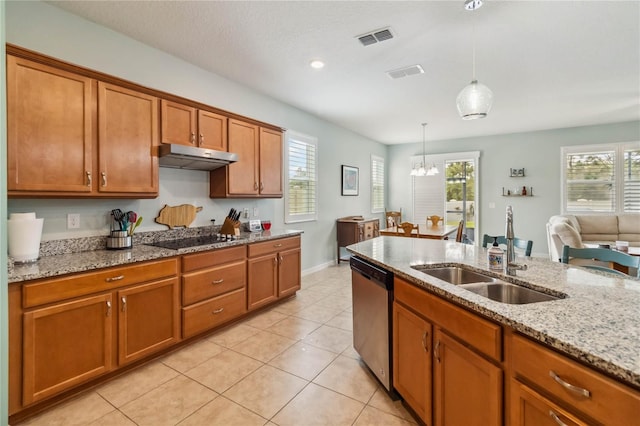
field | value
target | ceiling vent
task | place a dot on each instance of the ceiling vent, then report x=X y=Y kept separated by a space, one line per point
x=375 y=36
x=405 y=72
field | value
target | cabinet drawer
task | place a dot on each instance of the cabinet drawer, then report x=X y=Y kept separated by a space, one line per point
x=207 y=283
x=207 y=259
x=528 y=408
x=273 y=246
x=482 y=334
x=210 y=313
x=54 y=290
x=608 y=402
x=368 y=230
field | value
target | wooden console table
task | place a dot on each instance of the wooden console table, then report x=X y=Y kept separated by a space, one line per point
x=353 y=229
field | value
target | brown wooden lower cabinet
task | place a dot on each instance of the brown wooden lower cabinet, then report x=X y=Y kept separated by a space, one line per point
x=147 y=319
x=412 y=375
x=66 y=344
x=273 y=271
x=467 y=388
x=449 y=369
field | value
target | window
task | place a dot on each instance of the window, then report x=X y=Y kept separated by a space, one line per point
x=301 y=195
x=451 y=193
x=601 y=178
x=377 y=184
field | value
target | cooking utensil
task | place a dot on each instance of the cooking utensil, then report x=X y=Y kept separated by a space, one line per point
x=135 y=225
x=118 y=216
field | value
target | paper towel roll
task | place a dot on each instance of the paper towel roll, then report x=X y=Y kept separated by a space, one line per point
x=24 y=238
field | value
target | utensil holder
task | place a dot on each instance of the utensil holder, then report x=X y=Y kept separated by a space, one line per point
x=119 y=240
x=230 y=227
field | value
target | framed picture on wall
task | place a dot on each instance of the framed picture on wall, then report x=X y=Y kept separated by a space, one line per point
x=349 y=180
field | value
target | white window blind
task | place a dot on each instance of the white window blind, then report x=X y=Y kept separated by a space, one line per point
x=428 y=196
x=601 y=178
x=301 y=195
x=377 y=184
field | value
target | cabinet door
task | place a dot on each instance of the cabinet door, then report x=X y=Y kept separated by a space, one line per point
x=412 y=377
x=148 y=319
x=270 y=163
x=178 y=123
x=467 y=388
x=66 y=344
x=289 y=273
x=212 y=130
x=528 y=408
x=127 y=137
x=262 y=281
x=49 y=129
x=243 y=174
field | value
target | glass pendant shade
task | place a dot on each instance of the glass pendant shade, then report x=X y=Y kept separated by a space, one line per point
x=474 y=101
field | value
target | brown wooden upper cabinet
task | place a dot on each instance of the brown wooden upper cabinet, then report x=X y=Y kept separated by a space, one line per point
x=190 y=126
x=72 y=136
x=258 y=171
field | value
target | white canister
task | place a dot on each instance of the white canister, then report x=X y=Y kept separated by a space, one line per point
x=24 y=232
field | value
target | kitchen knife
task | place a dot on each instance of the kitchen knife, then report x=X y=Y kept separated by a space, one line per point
x=230 y=215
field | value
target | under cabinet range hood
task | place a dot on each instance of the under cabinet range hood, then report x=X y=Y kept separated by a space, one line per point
x=193 y=158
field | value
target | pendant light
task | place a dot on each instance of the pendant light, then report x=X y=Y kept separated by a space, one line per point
x=474 y=101
x=422 y=171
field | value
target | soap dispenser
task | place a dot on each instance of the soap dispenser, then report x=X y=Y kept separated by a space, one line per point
x=495 y=256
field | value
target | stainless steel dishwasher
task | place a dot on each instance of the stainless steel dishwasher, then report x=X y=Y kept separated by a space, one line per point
x=372 y=290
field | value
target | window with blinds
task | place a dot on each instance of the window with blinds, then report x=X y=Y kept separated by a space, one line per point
x=300 y=194
x=601 y=178
x=377 y=184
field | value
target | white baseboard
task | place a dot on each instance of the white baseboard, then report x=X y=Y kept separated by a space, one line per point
x=318 y=268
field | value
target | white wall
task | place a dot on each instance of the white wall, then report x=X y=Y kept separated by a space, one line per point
x=539 y=154
x=49 y=30
x=4 y=315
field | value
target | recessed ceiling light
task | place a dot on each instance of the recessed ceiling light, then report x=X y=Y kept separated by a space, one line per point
x=472 y=4
x=317 y=64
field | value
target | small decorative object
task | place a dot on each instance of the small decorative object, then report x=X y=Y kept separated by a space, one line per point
x=349 y=180
x=181 y=215
x=508 y=192
x=254 y=226
x=266 y=225
x=524 y=190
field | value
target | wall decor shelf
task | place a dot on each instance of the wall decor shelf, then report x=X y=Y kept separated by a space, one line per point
x=522 y=192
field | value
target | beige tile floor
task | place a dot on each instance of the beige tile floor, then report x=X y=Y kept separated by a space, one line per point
x=291 y=365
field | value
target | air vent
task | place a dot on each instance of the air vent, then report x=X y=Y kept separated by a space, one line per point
x=375 y=36
x=406 y=71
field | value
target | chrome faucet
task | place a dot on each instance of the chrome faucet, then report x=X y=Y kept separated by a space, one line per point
x=511 y=264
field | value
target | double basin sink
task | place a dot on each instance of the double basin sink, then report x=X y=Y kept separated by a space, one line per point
x=487 y=286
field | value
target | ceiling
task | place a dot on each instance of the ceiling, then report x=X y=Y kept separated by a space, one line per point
x=550 y=64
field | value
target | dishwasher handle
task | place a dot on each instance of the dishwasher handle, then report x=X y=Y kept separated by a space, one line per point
x=372 y=273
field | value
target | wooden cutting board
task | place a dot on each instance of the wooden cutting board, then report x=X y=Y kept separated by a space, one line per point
x=176 y=216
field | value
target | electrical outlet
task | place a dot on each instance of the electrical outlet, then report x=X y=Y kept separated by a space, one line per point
x=255 y=212
x=245 y=213
x=73 y=221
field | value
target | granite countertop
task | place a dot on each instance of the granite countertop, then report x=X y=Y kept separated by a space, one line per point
x=598 y=322
x=86 y=254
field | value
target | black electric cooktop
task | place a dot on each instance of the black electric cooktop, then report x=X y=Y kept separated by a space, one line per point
x=191 y=242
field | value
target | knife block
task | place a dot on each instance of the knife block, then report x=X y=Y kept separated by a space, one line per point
x=230 y=227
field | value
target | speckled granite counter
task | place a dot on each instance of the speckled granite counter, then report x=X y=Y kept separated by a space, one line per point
x=598 y=322
x=86 y=254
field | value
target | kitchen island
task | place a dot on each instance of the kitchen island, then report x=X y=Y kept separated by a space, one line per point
x=594 y=326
